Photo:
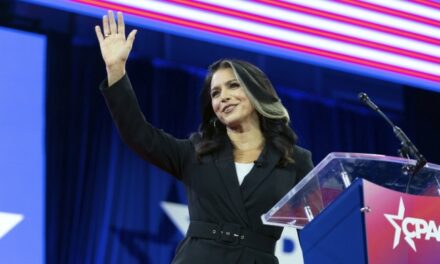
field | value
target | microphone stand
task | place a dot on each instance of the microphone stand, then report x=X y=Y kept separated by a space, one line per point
x=407 y=150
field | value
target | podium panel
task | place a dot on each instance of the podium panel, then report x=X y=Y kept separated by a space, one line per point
x=352 y=208
x=337 y=235
x=401 y=228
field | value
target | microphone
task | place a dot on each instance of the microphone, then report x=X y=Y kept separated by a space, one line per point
x=366 y=100
x=408 y=148
x=363 y=97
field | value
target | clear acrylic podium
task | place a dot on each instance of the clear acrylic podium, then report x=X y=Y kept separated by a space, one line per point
x=332 y=206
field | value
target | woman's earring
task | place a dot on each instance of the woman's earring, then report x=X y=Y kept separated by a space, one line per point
x=214 y=122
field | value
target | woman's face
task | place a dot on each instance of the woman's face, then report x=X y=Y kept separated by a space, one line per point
x=229 y=101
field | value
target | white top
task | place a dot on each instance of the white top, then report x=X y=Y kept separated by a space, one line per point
x=243 y=169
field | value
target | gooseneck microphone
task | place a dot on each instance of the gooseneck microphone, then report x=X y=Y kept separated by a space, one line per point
x=363 y=97
x=408 y=149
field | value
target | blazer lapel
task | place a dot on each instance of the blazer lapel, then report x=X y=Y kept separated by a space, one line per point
x=224 y=162
x=263 y=167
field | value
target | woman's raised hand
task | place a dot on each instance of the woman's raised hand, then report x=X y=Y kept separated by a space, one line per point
x=115 y=48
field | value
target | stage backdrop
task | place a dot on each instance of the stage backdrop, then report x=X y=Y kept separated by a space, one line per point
x=22 y=157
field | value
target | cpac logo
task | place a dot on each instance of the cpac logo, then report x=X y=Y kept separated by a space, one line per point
x=413 y=228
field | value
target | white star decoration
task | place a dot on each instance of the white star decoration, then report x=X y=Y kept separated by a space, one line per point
x=8 y=221
x=392 y=219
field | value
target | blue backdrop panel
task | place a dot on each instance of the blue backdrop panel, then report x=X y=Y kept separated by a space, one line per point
x=337 y=235
x=22 y=162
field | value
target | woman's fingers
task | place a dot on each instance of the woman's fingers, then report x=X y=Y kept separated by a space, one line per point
x=110 y=26
x=112 y=22
x=105 y=25
x=99 y=34
x=115 y=48
x=130 y=38
x=121 y=24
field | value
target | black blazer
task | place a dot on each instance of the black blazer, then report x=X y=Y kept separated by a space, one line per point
x=214 y=194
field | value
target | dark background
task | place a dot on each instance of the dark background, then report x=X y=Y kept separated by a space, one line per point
x=103 y=201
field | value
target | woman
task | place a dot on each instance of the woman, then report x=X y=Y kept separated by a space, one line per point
x=239 y=164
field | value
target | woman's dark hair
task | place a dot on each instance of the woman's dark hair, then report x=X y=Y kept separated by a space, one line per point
x=273 y=116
